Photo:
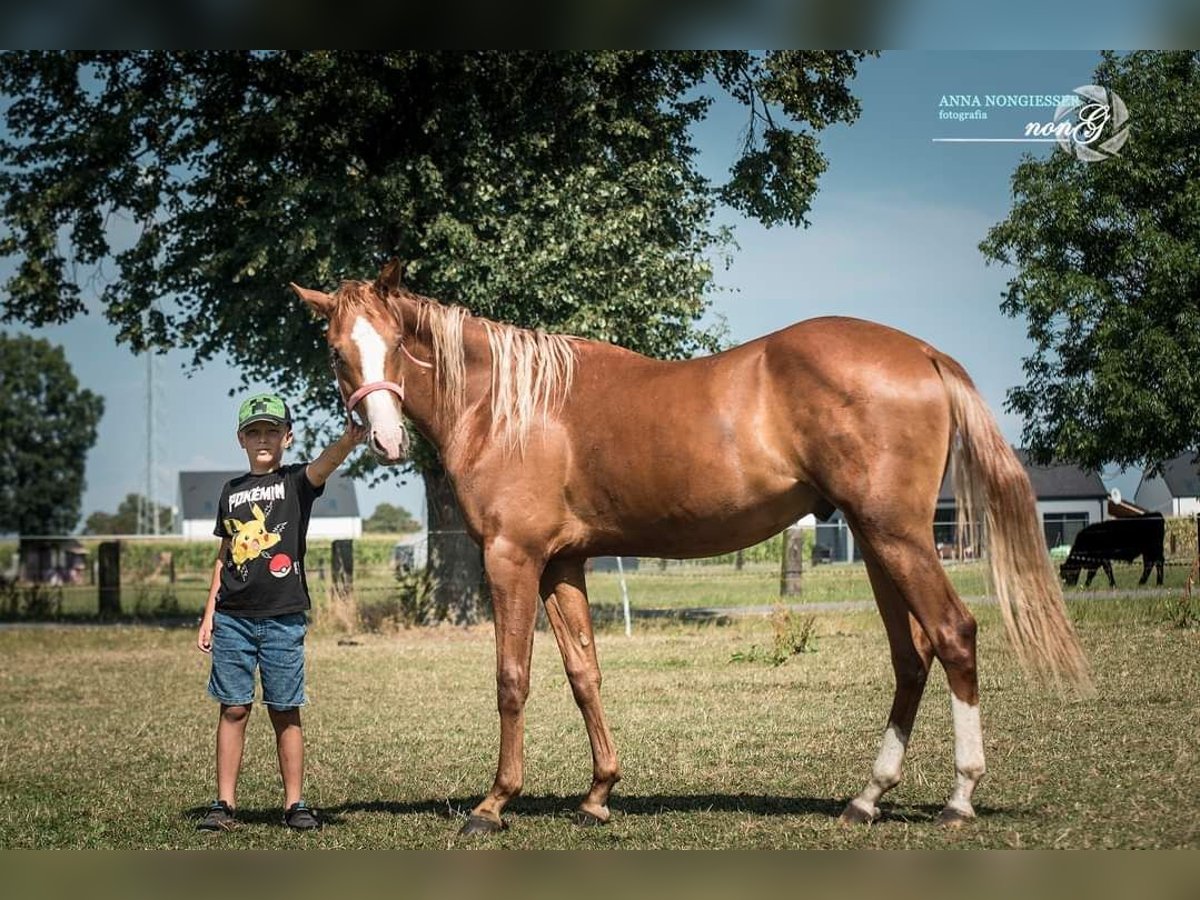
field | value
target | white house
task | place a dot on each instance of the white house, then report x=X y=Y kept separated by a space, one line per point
x=1068 y=500
x=1176 y=492
x=334 y=516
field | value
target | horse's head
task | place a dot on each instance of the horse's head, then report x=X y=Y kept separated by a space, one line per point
x=365 y=343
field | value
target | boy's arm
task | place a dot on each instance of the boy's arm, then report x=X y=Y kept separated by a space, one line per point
x=204 y=638
x=335 y=454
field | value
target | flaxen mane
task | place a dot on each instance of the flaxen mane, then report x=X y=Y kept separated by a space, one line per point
x=532 y=371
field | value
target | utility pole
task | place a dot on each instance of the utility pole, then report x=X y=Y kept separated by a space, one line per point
x=151 y=512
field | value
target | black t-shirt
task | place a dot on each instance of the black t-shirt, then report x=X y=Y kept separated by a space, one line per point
x=265 y=518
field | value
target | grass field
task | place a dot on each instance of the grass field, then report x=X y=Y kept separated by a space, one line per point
x=106 y=740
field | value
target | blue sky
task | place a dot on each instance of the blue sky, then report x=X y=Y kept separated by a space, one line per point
x=894 y=237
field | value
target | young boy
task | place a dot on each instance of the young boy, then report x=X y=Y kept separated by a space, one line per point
x=255 y=614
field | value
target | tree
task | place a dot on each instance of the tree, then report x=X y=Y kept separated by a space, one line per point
x=556 y=190
x=130 y=517
x=1107 y=258
x=47 y=425
x=391 y=520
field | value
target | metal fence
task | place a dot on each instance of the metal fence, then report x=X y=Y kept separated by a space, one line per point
x=160 y=575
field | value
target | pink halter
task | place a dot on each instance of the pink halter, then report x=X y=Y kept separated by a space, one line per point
x=372 y=387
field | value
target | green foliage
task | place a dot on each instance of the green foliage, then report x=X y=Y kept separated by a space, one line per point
x=771 y=550
x=1181 y=610
x=151 y=603
x=31 y=601
x=414 y=599
x=1179 y=542
x=130 y=518
x=790 y=635
x=1107 y=258
x=47 y=425
x=391 y=519
x=551 y=190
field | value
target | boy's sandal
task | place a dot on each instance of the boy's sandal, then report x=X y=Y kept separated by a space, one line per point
x=301 y=817
x=220 y=817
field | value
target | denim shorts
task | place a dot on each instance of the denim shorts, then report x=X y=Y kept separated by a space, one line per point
x=274 y=645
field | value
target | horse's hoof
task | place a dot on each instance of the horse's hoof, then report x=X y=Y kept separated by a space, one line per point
x=482 y=825
x=585 y=819
x=855 y=814
x=950 y=817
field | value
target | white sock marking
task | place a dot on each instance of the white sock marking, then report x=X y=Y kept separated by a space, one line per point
x=885 y=774
x=968 y=753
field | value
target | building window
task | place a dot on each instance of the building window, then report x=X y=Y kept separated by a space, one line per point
x=945 y=526
x=952 y=537
x=1061 y=528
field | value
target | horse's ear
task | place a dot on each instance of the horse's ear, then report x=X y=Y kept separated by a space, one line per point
x=390 y=276
x=320 y=303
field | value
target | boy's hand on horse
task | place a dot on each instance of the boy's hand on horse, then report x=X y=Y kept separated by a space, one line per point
x=355 y=433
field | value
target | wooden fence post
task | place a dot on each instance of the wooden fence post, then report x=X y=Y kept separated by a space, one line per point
x=791 y=578
x=110 y=578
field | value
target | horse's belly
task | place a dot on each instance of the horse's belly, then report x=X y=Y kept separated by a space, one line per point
x=718 y=523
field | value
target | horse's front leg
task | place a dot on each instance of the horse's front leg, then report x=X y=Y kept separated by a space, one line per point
x=513 y=578
x=565 y=594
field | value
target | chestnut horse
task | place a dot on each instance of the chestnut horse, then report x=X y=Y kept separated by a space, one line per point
x=561 y=449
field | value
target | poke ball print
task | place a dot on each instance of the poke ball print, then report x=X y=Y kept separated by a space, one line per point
x=281 y=565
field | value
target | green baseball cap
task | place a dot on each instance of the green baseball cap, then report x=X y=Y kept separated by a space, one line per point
x=264 y=408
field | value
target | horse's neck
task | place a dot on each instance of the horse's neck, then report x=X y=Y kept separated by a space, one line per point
x=425 y=383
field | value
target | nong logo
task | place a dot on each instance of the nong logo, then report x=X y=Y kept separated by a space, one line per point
x=1094 y=126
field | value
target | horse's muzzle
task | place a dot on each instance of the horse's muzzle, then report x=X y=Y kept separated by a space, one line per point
x=389 y=452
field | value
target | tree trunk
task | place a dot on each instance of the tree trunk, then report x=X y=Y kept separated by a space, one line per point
x=455 y=560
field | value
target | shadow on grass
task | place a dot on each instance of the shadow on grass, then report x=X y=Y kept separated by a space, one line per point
x=560 y=806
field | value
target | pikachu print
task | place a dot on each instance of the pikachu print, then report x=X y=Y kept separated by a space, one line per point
x=252 y=539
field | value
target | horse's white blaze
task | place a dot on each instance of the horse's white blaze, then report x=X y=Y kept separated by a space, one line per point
x=968 y=754
x=383 y=407
x=886 y=773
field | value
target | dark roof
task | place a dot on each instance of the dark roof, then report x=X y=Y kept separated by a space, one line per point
x=1055 y=482
x=200 y=491
x=1182 y=475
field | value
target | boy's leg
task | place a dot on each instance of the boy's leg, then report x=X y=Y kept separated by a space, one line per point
x=231 y=738
x=231 y=683
x=289 y=741
x=282 y=666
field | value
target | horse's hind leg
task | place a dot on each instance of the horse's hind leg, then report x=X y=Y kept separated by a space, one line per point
x=910 y=561
x=565 y=595
x=911 y=656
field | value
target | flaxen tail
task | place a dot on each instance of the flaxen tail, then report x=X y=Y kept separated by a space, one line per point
x=990 y=481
